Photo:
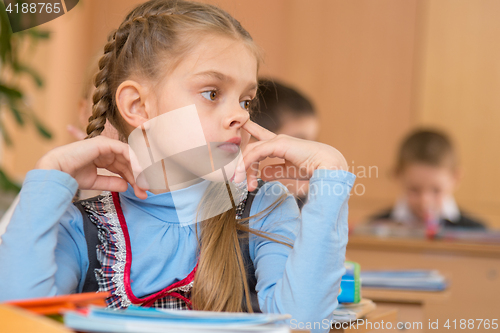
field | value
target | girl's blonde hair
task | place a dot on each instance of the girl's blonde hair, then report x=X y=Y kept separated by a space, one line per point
x=155 y=34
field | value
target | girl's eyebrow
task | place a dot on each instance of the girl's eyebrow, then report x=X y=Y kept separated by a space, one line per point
x=215 y=75
x=223 y=78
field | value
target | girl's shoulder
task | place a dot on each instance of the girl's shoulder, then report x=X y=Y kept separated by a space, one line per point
x=72 y=220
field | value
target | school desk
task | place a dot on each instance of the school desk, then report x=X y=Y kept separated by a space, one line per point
x=17 y=320
x=473 y=272
x=380 y=316
x=378 y=319
x=412 y=305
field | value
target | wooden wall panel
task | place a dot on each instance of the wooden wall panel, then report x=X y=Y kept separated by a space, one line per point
x=355 y=59
x=459 y=91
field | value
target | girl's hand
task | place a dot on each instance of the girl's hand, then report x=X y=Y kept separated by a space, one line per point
x=301 y=157
x=81 y=160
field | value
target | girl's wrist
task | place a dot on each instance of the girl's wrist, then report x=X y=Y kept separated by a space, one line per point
x=47 y=163
x=334 y=164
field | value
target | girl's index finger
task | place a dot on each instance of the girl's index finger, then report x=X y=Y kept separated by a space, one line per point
x=257 y=131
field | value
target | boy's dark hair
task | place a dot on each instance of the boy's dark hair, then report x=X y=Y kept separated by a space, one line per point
x=429 y=147
x=275 y=101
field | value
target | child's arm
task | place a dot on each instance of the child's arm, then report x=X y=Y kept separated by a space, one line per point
x=43 y=251
x=303 y=281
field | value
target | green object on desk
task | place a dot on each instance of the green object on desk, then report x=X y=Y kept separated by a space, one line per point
x=57 y=317
x=350 y=285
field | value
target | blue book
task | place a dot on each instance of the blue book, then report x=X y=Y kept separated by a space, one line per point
x=425 y=280
x=151 y=320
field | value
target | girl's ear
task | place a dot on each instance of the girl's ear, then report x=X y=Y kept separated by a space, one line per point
x=131 y=102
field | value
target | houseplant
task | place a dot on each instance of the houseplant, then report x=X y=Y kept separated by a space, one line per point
x=12 y=97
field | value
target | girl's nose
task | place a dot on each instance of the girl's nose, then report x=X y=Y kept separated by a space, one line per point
x=236 y=118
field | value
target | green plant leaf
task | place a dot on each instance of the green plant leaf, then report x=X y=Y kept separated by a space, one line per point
x=7 y=184
x=18 y=116
x=19 y=68
x=39 y=34
x=5 y=135
x=5 y=34
x=9 y=53
x=42 y=129
x=11 y=93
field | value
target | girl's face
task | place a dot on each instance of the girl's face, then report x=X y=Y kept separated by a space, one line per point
x=219 y=76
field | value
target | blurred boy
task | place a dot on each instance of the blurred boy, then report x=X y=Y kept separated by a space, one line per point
x=284 y=110
x=428 y=174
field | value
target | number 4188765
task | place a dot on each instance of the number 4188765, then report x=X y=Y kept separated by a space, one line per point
x=34 y=8
x=471 y=324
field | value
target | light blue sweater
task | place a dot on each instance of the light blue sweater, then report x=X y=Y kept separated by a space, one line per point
x=44 y=252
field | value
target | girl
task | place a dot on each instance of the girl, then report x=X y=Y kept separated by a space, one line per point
x=166 y=55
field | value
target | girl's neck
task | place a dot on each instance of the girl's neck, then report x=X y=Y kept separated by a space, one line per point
x=167 y=175
x=177 y=187
x=186 y=184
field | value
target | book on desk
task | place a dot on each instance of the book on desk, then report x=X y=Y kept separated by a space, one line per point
x=422 y=280
x=151 y=320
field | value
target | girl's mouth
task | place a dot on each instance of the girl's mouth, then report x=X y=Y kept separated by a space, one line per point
x=229 y=147
x=232 y=145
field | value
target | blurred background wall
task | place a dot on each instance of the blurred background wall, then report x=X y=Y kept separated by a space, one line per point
x=375 y=70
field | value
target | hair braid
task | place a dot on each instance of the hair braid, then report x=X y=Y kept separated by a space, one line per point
x=103 y=102
x=101 y=98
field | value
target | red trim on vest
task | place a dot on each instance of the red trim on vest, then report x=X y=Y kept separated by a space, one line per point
x=149 y=300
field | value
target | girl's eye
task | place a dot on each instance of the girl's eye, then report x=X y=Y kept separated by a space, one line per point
x=211 y=95
x=245 y=104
